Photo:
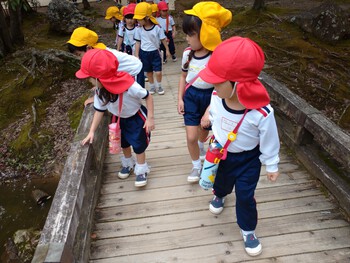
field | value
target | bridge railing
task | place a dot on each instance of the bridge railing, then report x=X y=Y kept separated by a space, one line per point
x=319 y=144
x=66 y=234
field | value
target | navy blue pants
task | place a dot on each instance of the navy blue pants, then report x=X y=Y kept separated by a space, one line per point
x=240 y=171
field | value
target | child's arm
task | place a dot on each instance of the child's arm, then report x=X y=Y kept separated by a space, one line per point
x=173 y=28
x=137 y=48
x=165 y=43
x=95 y=122
x=120 y=42
x=88 y=101
x=181 y=92
x=149 y=124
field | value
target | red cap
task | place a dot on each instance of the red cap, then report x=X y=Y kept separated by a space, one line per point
x=103 y=65
x=162 y=5
x=240 y=60
x=129 y=9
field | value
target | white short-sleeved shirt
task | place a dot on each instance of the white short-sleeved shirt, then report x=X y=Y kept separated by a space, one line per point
x=162 y=22
x=195 y=66
x=150 y=38
x=127 y=63
x=127 y=35
x=258 y=128
x=132 y=101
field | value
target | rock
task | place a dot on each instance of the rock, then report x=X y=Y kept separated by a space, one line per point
x=328 y=22
x=64 y=17
x=26 y=241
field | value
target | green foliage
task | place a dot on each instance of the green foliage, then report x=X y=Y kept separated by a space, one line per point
x=75 y=112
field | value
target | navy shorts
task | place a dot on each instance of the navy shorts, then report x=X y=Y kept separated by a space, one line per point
x=133 y=133
x=196 y=102
x=151 y=60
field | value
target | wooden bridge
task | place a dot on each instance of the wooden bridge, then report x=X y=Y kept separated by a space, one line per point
x=168 y=220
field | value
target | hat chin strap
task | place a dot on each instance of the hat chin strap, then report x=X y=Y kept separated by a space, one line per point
x=233 y=90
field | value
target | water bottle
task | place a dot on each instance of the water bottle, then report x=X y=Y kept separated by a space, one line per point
x=210 y=165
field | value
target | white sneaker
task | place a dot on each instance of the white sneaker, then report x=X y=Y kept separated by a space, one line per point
x=194 y=176
x=152 y=90
x=252 y=244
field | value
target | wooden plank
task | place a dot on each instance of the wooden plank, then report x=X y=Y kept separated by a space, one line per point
x=194 y=245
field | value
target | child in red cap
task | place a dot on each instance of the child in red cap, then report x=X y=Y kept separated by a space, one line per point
x=240 y=100
x=202 y=25
x=167 y=23
x=136 y=121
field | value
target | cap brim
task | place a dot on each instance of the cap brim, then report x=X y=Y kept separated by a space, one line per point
x=252 y=95
x=208 y=76
x=75 y=43
x=99 y=46
x=139 y=17
x=81 y=74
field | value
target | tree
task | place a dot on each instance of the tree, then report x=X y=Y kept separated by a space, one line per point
x=259 y=5
x=11 y=31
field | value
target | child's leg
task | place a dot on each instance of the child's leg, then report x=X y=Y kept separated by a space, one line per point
x=158 y=83
x=141 y=170
x=203 y=135
x=128 y=163
x=151 y=82
x=193 y=149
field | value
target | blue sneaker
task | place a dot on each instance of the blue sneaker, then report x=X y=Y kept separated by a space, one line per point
x=125 y=172
x=141 y=180
x=217 y=205
x=252 y=245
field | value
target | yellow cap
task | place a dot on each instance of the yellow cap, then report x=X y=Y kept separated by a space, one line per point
x=143 y=10
x=113 y=11
x=154 y=8
x=214 y=17
x=82 y=36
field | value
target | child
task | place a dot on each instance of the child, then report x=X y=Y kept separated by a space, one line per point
x=240 y=97
x=202 y=26
x=155 y=10
x=83 y=39
x=127 y=31
x=148 y=37
x=113 y=14
x=167 y=23
x=136 y=122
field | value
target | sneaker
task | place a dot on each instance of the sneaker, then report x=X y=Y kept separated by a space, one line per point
x=161 y=91
x=252 y=245
x=194 y=175
x=165 y=61
x=146 y=79
x=217 y=205
x=174 y=58
x=141 y=180
x=202 y=154
x=152 y=90
x=125 y=172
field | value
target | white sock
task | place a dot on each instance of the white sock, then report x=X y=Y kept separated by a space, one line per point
x=152 y=86
x=141 y=168
x=158 y=85
x=197 y=164
x=246 y=233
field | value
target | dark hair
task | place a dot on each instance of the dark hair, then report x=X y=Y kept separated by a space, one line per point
x=105 y=96
x=73 y=48
x=191 y=25
x=129 y=16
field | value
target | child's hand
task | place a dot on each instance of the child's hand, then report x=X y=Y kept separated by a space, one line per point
x=149 y=125
x=168 y=55
x=88 y=101
x=180 y=107
x=89 y=138
x=205 y=122
x=272 y=176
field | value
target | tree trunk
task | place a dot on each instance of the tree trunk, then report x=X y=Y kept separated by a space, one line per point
x=86 y=5
x=16 y=23
x=5 y=34
x=259 y=4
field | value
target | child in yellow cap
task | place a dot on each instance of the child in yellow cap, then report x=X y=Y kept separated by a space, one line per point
x=202 y=25
x=115 y=16
x=148 y=38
